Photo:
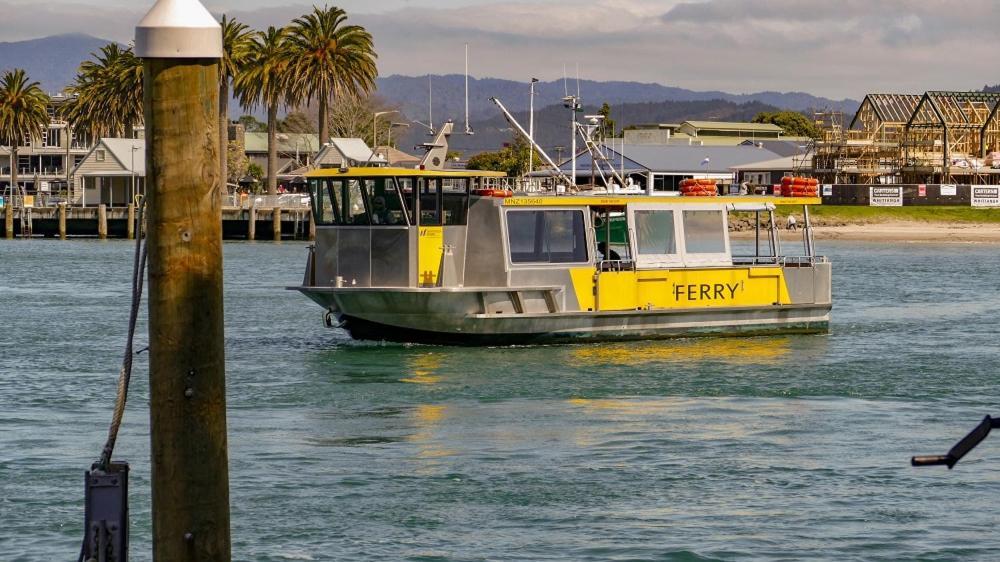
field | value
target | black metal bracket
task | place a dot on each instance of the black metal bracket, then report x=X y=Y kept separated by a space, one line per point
x=968 y=443
x=106 y=514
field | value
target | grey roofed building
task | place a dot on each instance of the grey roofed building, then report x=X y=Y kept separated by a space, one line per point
x=666 y=165
x=770 y=172
x=112 y=173
x=290 y=146
x=785 y=147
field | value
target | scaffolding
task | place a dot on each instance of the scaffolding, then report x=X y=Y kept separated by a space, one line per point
x=952 y=136
x=869 y=149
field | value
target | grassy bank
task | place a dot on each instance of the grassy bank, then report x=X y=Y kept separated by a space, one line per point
x=837 y=215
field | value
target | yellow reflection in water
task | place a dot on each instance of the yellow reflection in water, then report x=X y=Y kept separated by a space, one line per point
x=426 y=419
x=735 y=350
x=423 y=369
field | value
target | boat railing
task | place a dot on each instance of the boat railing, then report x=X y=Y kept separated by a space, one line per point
x=790 y=261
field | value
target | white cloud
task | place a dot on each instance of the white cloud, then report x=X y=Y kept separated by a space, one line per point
x=833 y=48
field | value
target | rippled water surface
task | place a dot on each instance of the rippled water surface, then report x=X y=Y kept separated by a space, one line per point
x=769 y=448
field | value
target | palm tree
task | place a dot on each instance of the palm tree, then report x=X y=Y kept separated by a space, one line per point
x=330 y=59
x=23 y=114
x=237 y=41
x=107 y=93
x=265 y=81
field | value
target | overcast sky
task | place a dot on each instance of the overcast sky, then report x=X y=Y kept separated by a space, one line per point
x=834 y=48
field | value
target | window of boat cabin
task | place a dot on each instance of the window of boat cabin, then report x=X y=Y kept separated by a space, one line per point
x=408 y=192
x=546 y=236
x=384 y=202
x=704 y=232
x=429 y=201
x=455 y=200
x=655 y=233
x=326 y=210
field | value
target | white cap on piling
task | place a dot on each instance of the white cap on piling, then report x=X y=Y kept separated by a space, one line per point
x=178 y=29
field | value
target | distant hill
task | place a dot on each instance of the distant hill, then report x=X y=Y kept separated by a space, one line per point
x=52 y=61
x=410 y=93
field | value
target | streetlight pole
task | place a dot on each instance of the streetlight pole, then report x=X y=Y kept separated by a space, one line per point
x=375 y=117
x=132 y=171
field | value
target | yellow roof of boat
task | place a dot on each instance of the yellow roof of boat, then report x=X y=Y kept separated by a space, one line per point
x=622 y=200
x=381 y=172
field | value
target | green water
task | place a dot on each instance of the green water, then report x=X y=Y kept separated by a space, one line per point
x=785 y=448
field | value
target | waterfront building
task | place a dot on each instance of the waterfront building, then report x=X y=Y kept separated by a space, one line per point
x=112 y=173
x=704 y=133
x=45 y=164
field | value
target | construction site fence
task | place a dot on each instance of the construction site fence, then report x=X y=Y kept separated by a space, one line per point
x=913 y=194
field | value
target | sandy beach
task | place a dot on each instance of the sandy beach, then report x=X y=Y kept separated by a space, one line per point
x=912 y=232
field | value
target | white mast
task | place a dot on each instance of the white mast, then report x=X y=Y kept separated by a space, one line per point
x=468 y=129
x=430 y=102
x=531 y=126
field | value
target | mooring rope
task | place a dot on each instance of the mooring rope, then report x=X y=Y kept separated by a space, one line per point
x=125 y=374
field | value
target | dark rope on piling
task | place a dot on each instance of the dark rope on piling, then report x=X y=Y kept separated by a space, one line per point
x=125 y=374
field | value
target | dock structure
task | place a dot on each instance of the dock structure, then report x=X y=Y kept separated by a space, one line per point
x=238 y=223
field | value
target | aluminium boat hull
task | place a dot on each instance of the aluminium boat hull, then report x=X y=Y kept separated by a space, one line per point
x=457 y=318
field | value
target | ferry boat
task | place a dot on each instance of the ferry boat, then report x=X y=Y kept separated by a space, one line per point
x=455 y=258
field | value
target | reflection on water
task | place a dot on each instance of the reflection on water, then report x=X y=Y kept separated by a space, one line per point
x=760 y=351
x=423 y=368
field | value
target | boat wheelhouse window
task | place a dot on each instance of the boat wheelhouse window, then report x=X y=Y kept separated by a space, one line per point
x=654 y=233
x=704 y=232
x=554 y=236
x=430 y=201
x=455 y=200
x=354 y=203
x=408 y=192
x=325 y=211
x=384 y=202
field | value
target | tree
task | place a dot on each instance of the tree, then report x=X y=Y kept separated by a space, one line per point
x=792 y=122
x=107 y=93
x=23 y=114
x=252 y=125
x=296 y=122
x=237 y=162
x=512 y=159
x=330 y=60
x=237 y=41
x=351 y=117
x=607 y=124
x=266 y=80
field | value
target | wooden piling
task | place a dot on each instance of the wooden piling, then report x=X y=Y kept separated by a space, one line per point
x=187 y=399
x=62 y=221
x=252 y=223
x=130 y=228
x=8 y=219
x=312 y=226
x=276 y=223
x=102 y=221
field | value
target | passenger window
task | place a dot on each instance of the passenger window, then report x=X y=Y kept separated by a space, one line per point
x=407 y=188
x=704 y=232
x=355 y=203
x=384 y=202
x=324 y=210
x=430 y=201
x=654 y=232
x=456 y=200
x=546 y=237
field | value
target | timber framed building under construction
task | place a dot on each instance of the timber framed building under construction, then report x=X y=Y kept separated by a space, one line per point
x=937 y=137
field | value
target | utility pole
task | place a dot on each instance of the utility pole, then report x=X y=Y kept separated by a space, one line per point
x=531 y=127
x=181 y=46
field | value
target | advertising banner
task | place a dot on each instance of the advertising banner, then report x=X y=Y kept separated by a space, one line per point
x=885 y=196
x=949 y=189
x=986 y=196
